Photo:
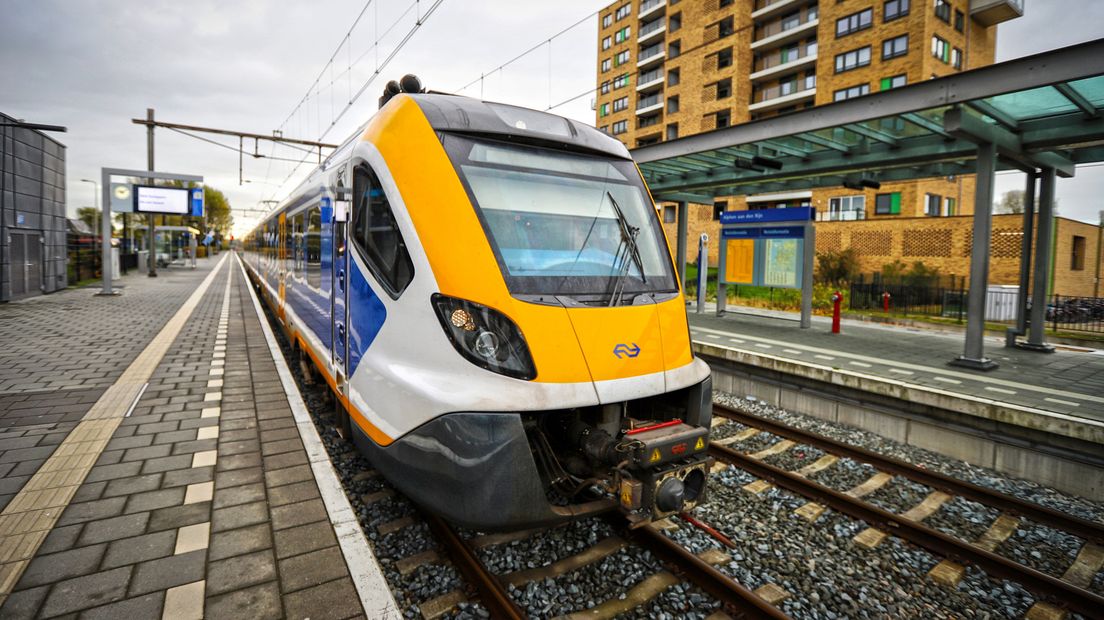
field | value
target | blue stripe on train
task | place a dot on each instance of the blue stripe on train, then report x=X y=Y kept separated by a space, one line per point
x=366 y=315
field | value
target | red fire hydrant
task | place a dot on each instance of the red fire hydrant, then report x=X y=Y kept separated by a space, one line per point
x=837 y=297
x=885 y=301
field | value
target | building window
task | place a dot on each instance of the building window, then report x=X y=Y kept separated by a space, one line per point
x=896 y=81
x=723 y=3
x=621 y=103
x=674 y=23
x=674 y=49
x=847 y=208
x=604 y=129
x=670 y=215
x=623 y=12
x=622 y=35
x=943 y=10
x=851 y=93
x=949 y=207
x=725 y=27
x=956 y=58
x=607 y=20
x=719 y=208
x=724 y=88
x=673 y=77
x=620 y=127
x=1077 y=255
x=724 y=58
x=933 y=202
x=672 y=104
x=672 y=131
x=648 y=121
x=605 y=88
x=606 y=65
x=603 y=110
x=621 y=81
x=375 y=232
x=854 y=22
x=888 y=204
x=853 y=59
x=960 y=20
x=606 y=43
x=724 y=118
x=621 y=58
x=897 y=46
x=941 y=49
x=895 y=8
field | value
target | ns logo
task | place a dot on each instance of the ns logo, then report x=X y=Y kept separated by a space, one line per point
x=626 y=350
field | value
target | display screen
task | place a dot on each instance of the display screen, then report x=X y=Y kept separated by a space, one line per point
x=170 y=200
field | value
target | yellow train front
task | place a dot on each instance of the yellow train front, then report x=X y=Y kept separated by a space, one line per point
x=489 y=291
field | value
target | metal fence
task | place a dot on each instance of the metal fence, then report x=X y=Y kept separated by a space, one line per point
x=1079 y=314
x=84 y=257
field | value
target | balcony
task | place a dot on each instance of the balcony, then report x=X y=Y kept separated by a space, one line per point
x=993 y=12
x=650 y=56
x=781 y=95
x=779 y=33
x=649 y=80
x=647 y=105
x=773 y=65
x=771 y=8
x=652 y=31
x=651 y=7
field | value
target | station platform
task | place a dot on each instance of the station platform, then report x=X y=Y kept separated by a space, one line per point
x=1032 y=404
x=157 y=460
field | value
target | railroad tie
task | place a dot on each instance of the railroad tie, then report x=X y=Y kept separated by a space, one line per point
x=393 y=526
x=489 y=540
x=718 y=421
x=605 y=548
x=772 y=593
x=872 y=537
x=950 y=573
x=372 y=498
x=1088 y=562
x=436 y=607
x=366 y=474
x=412 y=563
x=743 y=435
x=811 y=511
x=759 y=486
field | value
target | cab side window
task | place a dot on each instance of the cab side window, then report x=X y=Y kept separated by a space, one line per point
x=376 y=233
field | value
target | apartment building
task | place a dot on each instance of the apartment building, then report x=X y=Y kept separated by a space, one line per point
x=673 y=68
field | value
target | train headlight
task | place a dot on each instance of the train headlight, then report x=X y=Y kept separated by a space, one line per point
x=485 y=337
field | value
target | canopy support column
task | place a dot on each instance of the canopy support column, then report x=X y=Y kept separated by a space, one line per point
x=680 y=251
x=1025 y=262
x=1036 y=340
x=974 y=355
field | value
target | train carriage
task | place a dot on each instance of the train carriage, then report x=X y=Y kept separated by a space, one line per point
x=488 y=291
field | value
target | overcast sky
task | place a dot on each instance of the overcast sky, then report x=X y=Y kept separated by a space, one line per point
x=246 y=64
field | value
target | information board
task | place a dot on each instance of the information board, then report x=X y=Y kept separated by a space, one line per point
x=740 y=263
x=166 y=200
x=781 y=262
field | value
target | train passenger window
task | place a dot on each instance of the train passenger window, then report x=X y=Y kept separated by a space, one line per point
x=298 y=226
x=313 y=238
x=376 y=233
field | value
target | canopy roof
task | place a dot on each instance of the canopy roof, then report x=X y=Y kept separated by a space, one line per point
x=1042 y=111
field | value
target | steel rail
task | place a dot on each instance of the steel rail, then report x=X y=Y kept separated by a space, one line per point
x=1079 y=527
x=492 y=592
x=1045 y=587
x=741 y=602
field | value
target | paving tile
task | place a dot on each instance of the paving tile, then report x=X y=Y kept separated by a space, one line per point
x=60 y=539
x=89 y=491
x=185 y=602
x=227 y=479
x=312 y=569
x=333 y=600
x=242 y=540
x=192 y=537
x=148 y=452
x=300 y=513
x=291 y=493
x=167 y=463
x=258 y=602
x=139 y=549
x=89 y=511
x=84 y=592
x=184 y=477
x=239 y=516
x=44 y=569
x=287 y=459
x=136 y=484
x=239 y=461
x=298 y=473
x=115 y=528
x=148 y=606
x=153 y=500
x=303 y=538
x=241 y=494
x=240 y=571
x=179 y=516
x=167 y=572
x=111 y=472
x=24 y=604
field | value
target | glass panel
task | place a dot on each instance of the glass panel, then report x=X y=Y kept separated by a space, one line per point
x=1032 y=103
x=1091 y=89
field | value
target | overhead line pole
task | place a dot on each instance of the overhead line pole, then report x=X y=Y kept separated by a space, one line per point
x=230 y=132
x=152 y=241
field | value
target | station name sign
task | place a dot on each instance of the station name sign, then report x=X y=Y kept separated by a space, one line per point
x=766 y=216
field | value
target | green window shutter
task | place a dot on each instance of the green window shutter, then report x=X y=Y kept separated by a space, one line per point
x=628 y=80
x=604 y=110
x=784 y=56
x=895 y=203
x=887 y=84
x=946 y=53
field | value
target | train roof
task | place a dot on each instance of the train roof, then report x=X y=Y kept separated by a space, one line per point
x=467 y=115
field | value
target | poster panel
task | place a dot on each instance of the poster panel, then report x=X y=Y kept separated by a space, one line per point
x=740 y=261
x=781 y=263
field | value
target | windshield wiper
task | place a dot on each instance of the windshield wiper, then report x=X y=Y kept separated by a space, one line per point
x=629 y=251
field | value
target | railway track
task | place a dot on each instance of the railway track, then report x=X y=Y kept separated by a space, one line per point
x=1053 y=595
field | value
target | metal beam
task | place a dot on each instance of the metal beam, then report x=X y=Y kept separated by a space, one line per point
x=1036 y=339
x=992 y=112
x=958 y=123
x=788 y=150
x=925 y=123
x=1086 y=107
x=700 y=199
x=825 y=142
x=873 y=134
x=230 y=132
x=1062 y=65
x=974 y=354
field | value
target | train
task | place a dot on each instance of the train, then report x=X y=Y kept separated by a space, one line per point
x=488 y=291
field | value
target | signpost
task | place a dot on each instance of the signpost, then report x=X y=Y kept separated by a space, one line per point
x=769 y=247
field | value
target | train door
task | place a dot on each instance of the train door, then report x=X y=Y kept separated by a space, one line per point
x=281 y=257
x=340 y=287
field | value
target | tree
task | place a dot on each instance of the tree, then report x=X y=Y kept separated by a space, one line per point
x=91 y=217
x=1011 y=202
x=219 y=217
x=837 y=267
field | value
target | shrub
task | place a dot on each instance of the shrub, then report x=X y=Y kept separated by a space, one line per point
x=837 y=267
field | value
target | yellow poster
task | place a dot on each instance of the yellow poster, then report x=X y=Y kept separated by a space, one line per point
x=740 y=261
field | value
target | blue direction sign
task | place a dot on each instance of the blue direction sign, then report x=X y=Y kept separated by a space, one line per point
x=766 y=216
x=775 y=232
x=196 y=197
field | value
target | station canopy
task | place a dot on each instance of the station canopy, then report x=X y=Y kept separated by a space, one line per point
x=1041 y=111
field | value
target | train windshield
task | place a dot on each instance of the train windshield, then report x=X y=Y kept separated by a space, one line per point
x=565 y=223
